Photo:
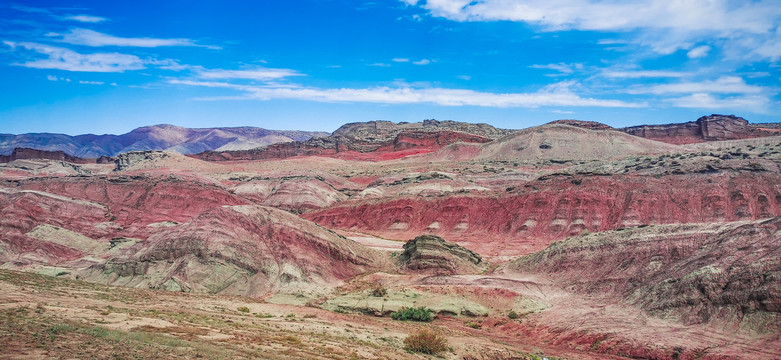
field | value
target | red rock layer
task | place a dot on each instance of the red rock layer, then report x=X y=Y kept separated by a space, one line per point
x=404 y=144
x=554 y=209
x=706 y=128
x=139 y=200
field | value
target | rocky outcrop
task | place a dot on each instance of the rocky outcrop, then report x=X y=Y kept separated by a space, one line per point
x=591 y=125
x=432 y=254
x=26 y=153
x=125 y=160
x=726 y=274
x=707 y=128
x=380 y=138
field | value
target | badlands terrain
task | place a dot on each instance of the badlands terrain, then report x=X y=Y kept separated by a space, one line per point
x=570 y=240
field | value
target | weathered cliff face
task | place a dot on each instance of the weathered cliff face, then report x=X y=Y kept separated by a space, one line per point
x=26 y=153
x=528 y=218
x=243 y=250
x=707 y=128
x=432 y=254
x=726 y=274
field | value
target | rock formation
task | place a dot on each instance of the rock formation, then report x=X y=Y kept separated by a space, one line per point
x=243 y=250
x=377 y=137
x=707 y=128
x=432 y=254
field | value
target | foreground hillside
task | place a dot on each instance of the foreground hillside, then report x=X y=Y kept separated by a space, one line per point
x=569 y=240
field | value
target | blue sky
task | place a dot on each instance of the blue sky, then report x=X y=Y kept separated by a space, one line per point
x=111 y=66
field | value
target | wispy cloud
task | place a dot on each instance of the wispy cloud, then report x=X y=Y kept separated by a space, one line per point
x=555 y=95
x=752 y=103
x=380 y=64
x=57 y=78
x=663 y=25
x=85 y=18
x=259 y=73
x=422 y=62
x=560 y=67
x=401 y=60
x=637 y=74
x=66 y=59
x=93 y=38
x=698 y=52
x=88 y=82
x=722 y=85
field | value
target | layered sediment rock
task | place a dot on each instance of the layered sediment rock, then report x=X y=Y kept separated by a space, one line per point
x=377 y=137
x=727 y=274
x=432 y=254
x=243 y=250
x=707 y=128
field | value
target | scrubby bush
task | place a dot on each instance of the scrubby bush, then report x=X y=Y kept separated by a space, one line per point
x=426 y=341
x=243 y=309
x=379 y=291
x=414 y=314
x=512 y=315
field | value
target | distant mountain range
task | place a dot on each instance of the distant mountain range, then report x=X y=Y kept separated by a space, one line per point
x=157 y=137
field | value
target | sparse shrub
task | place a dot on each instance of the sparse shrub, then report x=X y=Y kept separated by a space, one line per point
x=310 y=316
x=512 y=315
x=379 y=291
x=243 y=309
x=264 y=316
x=414 y=314
x=426 y=341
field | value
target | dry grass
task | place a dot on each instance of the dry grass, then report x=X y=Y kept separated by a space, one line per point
x=426 y=341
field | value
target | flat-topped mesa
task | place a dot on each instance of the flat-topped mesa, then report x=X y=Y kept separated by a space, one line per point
x=432 y=254
x=27 y=153
x=383 y=137
x=707 y=128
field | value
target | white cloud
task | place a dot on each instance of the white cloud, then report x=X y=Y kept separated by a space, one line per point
x=401 y=60
x=722 y=85
x=560 y=67
x=555 y=95
x=57 y=78
x=752 y=103
x=85 y=18
x=698 y=52
x=262 y=74
x=86 y=82
x=66 y=59
x=464 y=77
x=664 y=25
x=644 y=74
x=422 y=62
x=93 y=38
x=380 y=65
